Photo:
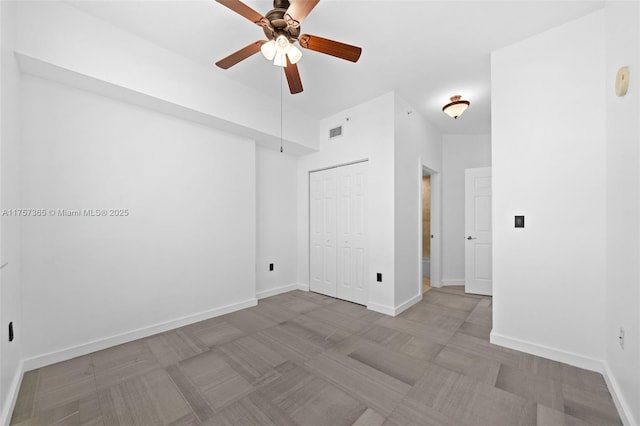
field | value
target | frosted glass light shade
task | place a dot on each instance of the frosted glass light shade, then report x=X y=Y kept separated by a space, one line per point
x=294 y=54
x=282 y=44
x=280 y=60
x=268 y=49
x=456 y=107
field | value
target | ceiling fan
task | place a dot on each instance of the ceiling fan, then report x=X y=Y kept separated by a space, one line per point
x=281 y=25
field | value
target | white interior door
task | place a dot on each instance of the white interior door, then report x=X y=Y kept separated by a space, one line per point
x=322 y=222
x=478 y=274
x=351 y=236
x=338 y=254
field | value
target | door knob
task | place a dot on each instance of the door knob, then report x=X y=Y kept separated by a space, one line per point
x=471 y=238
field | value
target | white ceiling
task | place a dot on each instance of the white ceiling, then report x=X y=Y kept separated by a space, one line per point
x=426 y=51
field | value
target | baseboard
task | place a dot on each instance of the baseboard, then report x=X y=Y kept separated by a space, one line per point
x=559 y=355
x=444 y=283
x=383 y=309
x=99 y=344
x=12 y=396
x=624 y=409
x=397 y=310
x=406 y=305
x=283 y=289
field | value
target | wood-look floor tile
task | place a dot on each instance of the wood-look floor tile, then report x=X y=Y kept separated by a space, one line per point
x=354 y=310
x=370 y=418
x=426 y=315
x=469 y=364
x=466 y=400
x=149 y=399
x=216 y=381
x=301 y=358
x=299 y=302
x=453 y=301
x=251 y=410
x=387 y=337
x=588 y=405
x=395 y=364
x=253 y=360
x=275 y=311
x=420 y=348
x=248 y=321
x=84 y=412
x=289 y=343
x=581 y=378
x=412 y=413
x=121 y=363
x=482 y=314
x=65 y=382
x=542 y=390
x=484 y=348
x=374 y=388
x=174 y=346
x=480 y=331
x=309 y=400
x=188 y=420
x=25 y=404
x=416 y=329
x=316 y=331
x=338 y=320
x=216 y=333
x=196 y=401
x=546 y=416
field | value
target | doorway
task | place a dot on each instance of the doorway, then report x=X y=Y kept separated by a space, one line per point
x=429 y=229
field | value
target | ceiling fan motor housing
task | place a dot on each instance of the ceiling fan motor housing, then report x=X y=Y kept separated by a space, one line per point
x=279 y=24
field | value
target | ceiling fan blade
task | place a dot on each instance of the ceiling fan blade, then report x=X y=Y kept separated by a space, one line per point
x=244 y=10
x=330 y=47
x=293 y=78
x=300 y=9
x=240 y=55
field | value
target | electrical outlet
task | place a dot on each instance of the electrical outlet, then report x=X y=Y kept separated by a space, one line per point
x=621 y=338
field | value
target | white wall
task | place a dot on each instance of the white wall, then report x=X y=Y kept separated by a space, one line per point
x=276 y=222
x=185 y=251
x=623 y=206
x=10 y=292
x=417 y=144
x=97 y=55
x=368 y=135
x=548 y=159
x=459 y=152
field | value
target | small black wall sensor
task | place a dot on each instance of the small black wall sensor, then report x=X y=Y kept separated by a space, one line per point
x=11 y=331
x=519 y=221
x=271 y=266
x=379 y=277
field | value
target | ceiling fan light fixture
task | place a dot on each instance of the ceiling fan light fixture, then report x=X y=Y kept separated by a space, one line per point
x=282 y=44
x=294 y=54
x=456 y=107
x=280 y=60
x=268 y=50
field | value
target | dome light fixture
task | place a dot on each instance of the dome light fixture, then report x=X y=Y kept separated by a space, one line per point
x=456 y=107
x=279 y=49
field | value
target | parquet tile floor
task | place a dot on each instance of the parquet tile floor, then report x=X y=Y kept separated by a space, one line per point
x=305 y=359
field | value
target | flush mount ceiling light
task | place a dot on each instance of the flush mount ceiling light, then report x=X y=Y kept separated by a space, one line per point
x=456 y=107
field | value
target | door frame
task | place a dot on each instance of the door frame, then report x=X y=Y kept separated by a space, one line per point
x=436 y=226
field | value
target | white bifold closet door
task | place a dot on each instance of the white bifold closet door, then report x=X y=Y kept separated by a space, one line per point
x=338 y=232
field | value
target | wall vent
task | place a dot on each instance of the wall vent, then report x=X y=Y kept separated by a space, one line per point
x=335 y=132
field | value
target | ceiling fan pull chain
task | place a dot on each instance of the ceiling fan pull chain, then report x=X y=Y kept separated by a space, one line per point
x=281 y=150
